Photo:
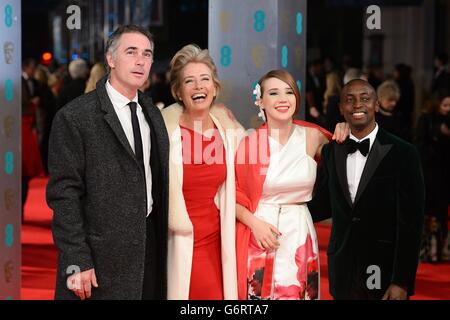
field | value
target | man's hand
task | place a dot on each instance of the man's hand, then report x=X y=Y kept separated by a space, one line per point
x=341 y=132
x=395 y=292
x=81 y=283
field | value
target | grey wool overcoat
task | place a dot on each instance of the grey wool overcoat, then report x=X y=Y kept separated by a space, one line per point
x=98 y=195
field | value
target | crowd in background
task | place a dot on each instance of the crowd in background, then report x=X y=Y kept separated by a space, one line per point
x=45 y=90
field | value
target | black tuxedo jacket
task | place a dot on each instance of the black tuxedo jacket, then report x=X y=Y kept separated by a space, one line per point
x=383 y=226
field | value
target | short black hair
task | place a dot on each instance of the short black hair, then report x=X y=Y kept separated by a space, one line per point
x=28 y=62
x=366 y=83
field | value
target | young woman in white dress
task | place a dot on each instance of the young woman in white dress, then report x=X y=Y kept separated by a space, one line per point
x=277 y=250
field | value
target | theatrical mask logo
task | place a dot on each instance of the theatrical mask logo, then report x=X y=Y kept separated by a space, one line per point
x=284 y=21
x=298 y=57
x=225 y=21
x=8 y=271
x=8 y=197
x=8 y=50
x=258 y=56
x=7 y=126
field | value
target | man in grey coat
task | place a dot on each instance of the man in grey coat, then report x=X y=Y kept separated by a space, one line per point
x=108 y=187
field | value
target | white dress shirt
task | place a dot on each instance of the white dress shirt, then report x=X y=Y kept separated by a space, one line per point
x=123 y=112
x=356 y=162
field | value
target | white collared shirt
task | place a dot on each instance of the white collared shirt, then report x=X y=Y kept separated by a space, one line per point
x=123 y=112
x=356 y=162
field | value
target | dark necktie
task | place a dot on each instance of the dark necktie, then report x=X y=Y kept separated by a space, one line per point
x=30 y=85
x=362 y=146
x=137 y=135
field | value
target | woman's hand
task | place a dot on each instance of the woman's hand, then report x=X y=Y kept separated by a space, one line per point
x=265 y=234
x=341 y=132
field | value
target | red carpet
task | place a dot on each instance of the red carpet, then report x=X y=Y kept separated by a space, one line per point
x=38 y=250
x=39 y=256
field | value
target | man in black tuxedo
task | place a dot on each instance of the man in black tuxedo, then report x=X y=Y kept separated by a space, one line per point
x=372 y=187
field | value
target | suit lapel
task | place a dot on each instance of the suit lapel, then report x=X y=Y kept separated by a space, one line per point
x=377 y=153
x=154 y=119
x=341 y=170
x=111 y=116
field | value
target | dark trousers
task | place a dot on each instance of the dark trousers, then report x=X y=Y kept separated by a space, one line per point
x=358 y=289
x=151 y=290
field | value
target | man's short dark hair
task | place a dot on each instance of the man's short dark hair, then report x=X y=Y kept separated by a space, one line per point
x=366 y=83
x=28 y=62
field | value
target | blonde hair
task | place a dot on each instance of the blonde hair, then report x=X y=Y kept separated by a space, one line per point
x=97 y=72
x=388 y=90
x=188 y=54
x=41 y=75
x=334 y=88
x=78 y=69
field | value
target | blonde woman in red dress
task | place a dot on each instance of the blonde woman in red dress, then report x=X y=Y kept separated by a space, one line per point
x=201 y=256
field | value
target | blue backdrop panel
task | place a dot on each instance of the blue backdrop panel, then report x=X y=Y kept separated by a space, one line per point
x=249 y=38
x=10 y=142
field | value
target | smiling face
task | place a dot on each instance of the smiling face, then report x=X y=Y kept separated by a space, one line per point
x=278 y=100
x=131 y=62
x=197 y=90
x=358 y=106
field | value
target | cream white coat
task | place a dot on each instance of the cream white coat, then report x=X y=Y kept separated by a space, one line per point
x=181 y=236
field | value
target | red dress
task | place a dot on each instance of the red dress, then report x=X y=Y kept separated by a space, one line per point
x=204 y=171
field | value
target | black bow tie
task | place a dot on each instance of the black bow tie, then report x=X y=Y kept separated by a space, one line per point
x=362 y=146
